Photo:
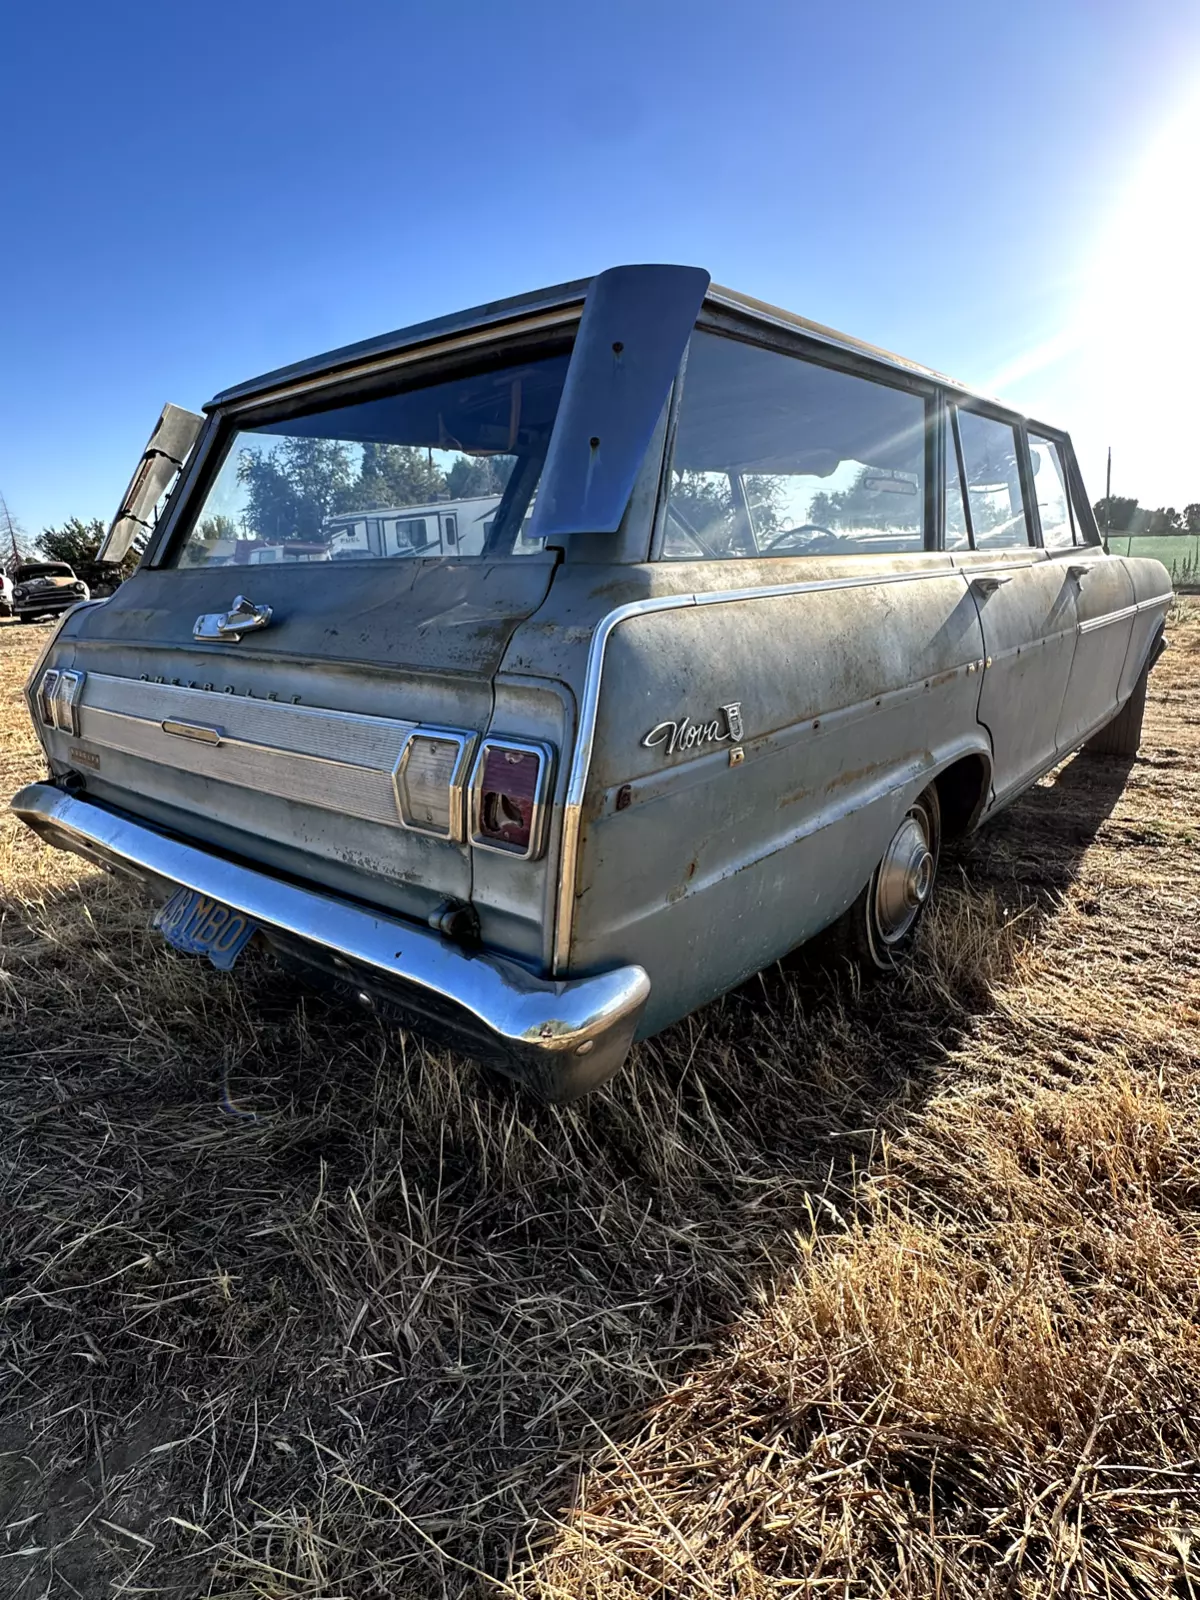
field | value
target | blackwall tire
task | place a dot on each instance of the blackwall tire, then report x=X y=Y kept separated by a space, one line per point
x=880 y=928
x=1123 y=735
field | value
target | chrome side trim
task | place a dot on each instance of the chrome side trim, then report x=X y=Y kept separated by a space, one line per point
x=1156 y=600
x=560 y=1038
x=589 y=702
x=1109 y=617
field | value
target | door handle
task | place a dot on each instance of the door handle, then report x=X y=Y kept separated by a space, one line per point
x=990 y=582
x=1078 y=573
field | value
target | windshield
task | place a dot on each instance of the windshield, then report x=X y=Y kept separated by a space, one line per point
x=449 y=470
x=54 y=569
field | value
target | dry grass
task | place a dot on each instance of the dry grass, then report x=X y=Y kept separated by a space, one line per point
x=832 y=1293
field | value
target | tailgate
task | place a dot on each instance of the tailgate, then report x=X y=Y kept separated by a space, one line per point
x=282 y=747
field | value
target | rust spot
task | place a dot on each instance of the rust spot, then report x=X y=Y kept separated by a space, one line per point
x=691 y=871
x=624 y=796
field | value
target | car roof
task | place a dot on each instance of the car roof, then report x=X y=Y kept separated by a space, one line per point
x=546 y=308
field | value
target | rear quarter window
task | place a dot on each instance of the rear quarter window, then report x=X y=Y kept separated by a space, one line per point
x=776 y=455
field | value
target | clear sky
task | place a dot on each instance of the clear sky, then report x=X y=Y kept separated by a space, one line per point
x=1007 y=190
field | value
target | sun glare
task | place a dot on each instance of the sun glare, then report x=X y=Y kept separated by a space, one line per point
x=1140 y=319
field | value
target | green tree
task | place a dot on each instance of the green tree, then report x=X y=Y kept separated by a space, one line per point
x=75 y=542
x=1191 y=517
x=1116 y=514
x=478 y=475
x=393 y=475
x=1165 y=520
x=291 y=489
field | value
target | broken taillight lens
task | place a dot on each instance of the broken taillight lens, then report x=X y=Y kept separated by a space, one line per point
x=508 y=808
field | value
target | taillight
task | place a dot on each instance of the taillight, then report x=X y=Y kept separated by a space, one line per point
x=508 y=797
x=45 y=696
x=58 y=699
x=429 y=782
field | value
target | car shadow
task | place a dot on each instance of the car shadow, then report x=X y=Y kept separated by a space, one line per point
x=248 y=1233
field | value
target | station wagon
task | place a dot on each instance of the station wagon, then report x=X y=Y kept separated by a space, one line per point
x=716 y=625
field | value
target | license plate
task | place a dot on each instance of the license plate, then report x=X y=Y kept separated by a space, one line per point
x=201 y=926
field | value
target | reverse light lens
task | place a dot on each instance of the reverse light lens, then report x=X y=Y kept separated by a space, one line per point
x=508 y=797
x=429 y=783
x=45 y=696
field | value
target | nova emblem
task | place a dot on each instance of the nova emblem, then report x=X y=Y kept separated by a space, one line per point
x=688 y=735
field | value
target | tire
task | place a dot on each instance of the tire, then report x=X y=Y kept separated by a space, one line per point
x=1123 y=735
x=26 y=619
x=880 y=928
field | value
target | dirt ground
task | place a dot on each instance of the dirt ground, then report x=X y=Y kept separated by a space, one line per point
x=835 y=1291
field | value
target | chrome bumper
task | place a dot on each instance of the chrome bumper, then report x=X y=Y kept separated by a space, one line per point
x=560 y=1038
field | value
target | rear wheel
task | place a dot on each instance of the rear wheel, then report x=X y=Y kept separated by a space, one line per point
x=881 y=926
x=1123 y=735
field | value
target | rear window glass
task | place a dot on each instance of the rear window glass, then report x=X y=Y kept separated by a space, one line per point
x=448 y=469
x=775 y=455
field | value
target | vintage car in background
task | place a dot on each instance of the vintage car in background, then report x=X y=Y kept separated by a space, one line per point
x=761 y=616
x=46 y=589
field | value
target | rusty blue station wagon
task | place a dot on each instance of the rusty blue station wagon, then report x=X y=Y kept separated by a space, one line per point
x=539 y=673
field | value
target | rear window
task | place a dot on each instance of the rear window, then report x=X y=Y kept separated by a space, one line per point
x=775 y=455
x=448 y=469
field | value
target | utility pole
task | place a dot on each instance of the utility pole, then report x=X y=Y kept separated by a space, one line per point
x=12 y=532
x=1108 y=500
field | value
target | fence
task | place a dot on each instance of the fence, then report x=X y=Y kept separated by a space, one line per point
x=1178 y=552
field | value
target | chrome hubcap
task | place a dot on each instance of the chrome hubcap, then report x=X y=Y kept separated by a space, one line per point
x=905 y=878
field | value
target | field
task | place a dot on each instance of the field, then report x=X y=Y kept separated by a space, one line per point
x=837 y=1291
x=1179 y=553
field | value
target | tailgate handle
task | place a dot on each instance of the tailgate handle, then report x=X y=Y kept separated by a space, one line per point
x=243 y=617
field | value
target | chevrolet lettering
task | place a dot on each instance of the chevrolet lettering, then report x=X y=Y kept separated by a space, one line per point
x=657 y=667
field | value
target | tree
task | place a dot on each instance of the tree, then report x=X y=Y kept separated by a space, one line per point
x=478 y=475
x=1116 y=514
x=393 y=475
x=76 y=542
x=1191 y=517
x=1165 y=520
x=291 y=489
x=866 y=505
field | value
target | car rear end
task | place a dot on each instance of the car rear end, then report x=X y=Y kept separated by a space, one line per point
x=290 y=725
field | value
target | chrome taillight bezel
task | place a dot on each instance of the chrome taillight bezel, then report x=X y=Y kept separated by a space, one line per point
x=63 y=701
x=456 y=833
x=541 y=809
x=45 y=696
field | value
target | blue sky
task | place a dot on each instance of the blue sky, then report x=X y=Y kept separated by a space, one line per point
x=192 y=195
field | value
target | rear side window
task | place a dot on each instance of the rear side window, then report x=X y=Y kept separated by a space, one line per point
x=1050 y=486
x=991 y=460
x=775 y=455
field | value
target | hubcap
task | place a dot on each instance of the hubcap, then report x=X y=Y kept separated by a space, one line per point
x=905 y=878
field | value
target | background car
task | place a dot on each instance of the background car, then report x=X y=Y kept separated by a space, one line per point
x=46 y=588
x=6 y=595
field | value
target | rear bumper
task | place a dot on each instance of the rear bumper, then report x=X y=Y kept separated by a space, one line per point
x=559 y=1038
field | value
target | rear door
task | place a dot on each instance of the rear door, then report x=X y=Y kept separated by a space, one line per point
x=1104 y=598
x=1027 y=604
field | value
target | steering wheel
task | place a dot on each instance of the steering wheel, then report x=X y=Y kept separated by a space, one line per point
x=807 y=531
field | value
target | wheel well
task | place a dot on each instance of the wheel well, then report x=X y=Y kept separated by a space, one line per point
x=962 y=791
